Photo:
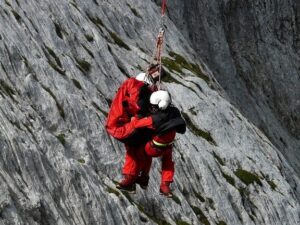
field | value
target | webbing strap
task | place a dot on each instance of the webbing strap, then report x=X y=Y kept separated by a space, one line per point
x=156 y=58
x=161 y=144
x=163 y=7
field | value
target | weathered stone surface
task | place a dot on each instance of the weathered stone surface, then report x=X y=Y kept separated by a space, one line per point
x=61 y=63
x=253 y=49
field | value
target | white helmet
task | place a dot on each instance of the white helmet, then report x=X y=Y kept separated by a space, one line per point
x=144 y=78
x=160 y=98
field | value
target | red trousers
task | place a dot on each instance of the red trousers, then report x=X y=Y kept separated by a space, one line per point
x=137 y=160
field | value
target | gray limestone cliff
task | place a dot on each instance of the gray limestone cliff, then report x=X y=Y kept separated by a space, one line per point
x=253 y=48
x=61 y=63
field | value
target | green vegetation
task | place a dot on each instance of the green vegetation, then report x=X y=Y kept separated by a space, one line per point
x=198 y=132
x=152 y=217
x=127 y=195
x=199 y=196
x=221 y=222
x=203 y=219
x=169 y=79
x=96 y=20
x=83 y=65
x=61 y=138
x=82 y=161
x=118 y=40
x=181 y=222
x=113 y=191
x=171 y=64
x=88 y=51
x=229 y=179
x=52 y=53
x=58 y=30
x=77 y=84
x=218 y=158
x=6 y=89
x=178 y=62
x=176 y=199
x=211 y=203
x=272 y=184
x=247 y=177
x=89 y=38
x=134 y=11
x=57 y=66
x=193 y=112
x=16 y=15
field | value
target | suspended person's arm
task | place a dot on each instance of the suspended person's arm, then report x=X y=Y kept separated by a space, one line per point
x=124 y=131
x=124 y=107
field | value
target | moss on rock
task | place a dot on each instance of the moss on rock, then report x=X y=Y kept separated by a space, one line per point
x=247 y=177
x=198 y=132
x=178 y=62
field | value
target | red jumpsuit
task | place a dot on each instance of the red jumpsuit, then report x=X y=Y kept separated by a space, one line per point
x=139 y=159
x=119 y=122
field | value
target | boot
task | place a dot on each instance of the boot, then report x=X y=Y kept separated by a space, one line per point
x=165 y=189
x=127 y=184
x=143 y=181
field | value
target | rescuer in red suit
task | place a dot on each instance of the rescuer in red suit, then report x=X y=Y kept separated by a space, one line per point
x=166 y=121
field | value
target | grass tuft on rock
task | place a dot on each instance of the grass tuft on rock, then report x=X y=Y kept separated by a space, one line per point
x=58 y=30
x=89 y=37
x=272 y=184
x=176 y=199
x=229 y=179
x=82 y=161
x=199 y=196
x=118 y=40
x=198 y=132
x=181 y=222
x=202 y=218
x=77 y=84
x=134 y=11
x=61 y=138
x=218 y=158
x=52 y=53
x=83 y=65
x=113 y=191
x=178 y=62
x=169 y=79
x=16 y=15
x=96 y=20
x=247 y=177
x=6 y=89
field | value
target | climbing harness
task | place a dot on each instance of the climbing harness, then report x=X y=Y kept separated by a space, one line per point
x=156 y=58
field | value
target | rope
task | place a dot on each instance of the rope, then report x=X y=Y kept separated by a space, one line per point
x=156 y=57
x=163 y=7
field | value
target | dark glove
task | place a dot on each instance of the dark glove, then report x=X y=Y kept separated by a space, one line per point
x=159 y=118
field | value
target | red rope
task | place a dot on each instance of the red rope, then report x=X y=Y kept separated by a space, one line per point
x=163 y=7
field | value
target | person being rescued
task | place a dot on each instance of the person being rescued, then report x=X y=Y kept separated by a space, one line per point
x=148 y=133
x=128 y=110
x=167 y=121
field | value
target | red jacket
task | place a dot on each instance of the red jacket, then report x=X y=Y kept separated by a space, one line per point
x=121 y=121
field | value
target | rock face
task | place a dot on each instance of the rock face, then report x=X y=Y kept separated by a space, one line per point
x=61 y=63
x=253 y=48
